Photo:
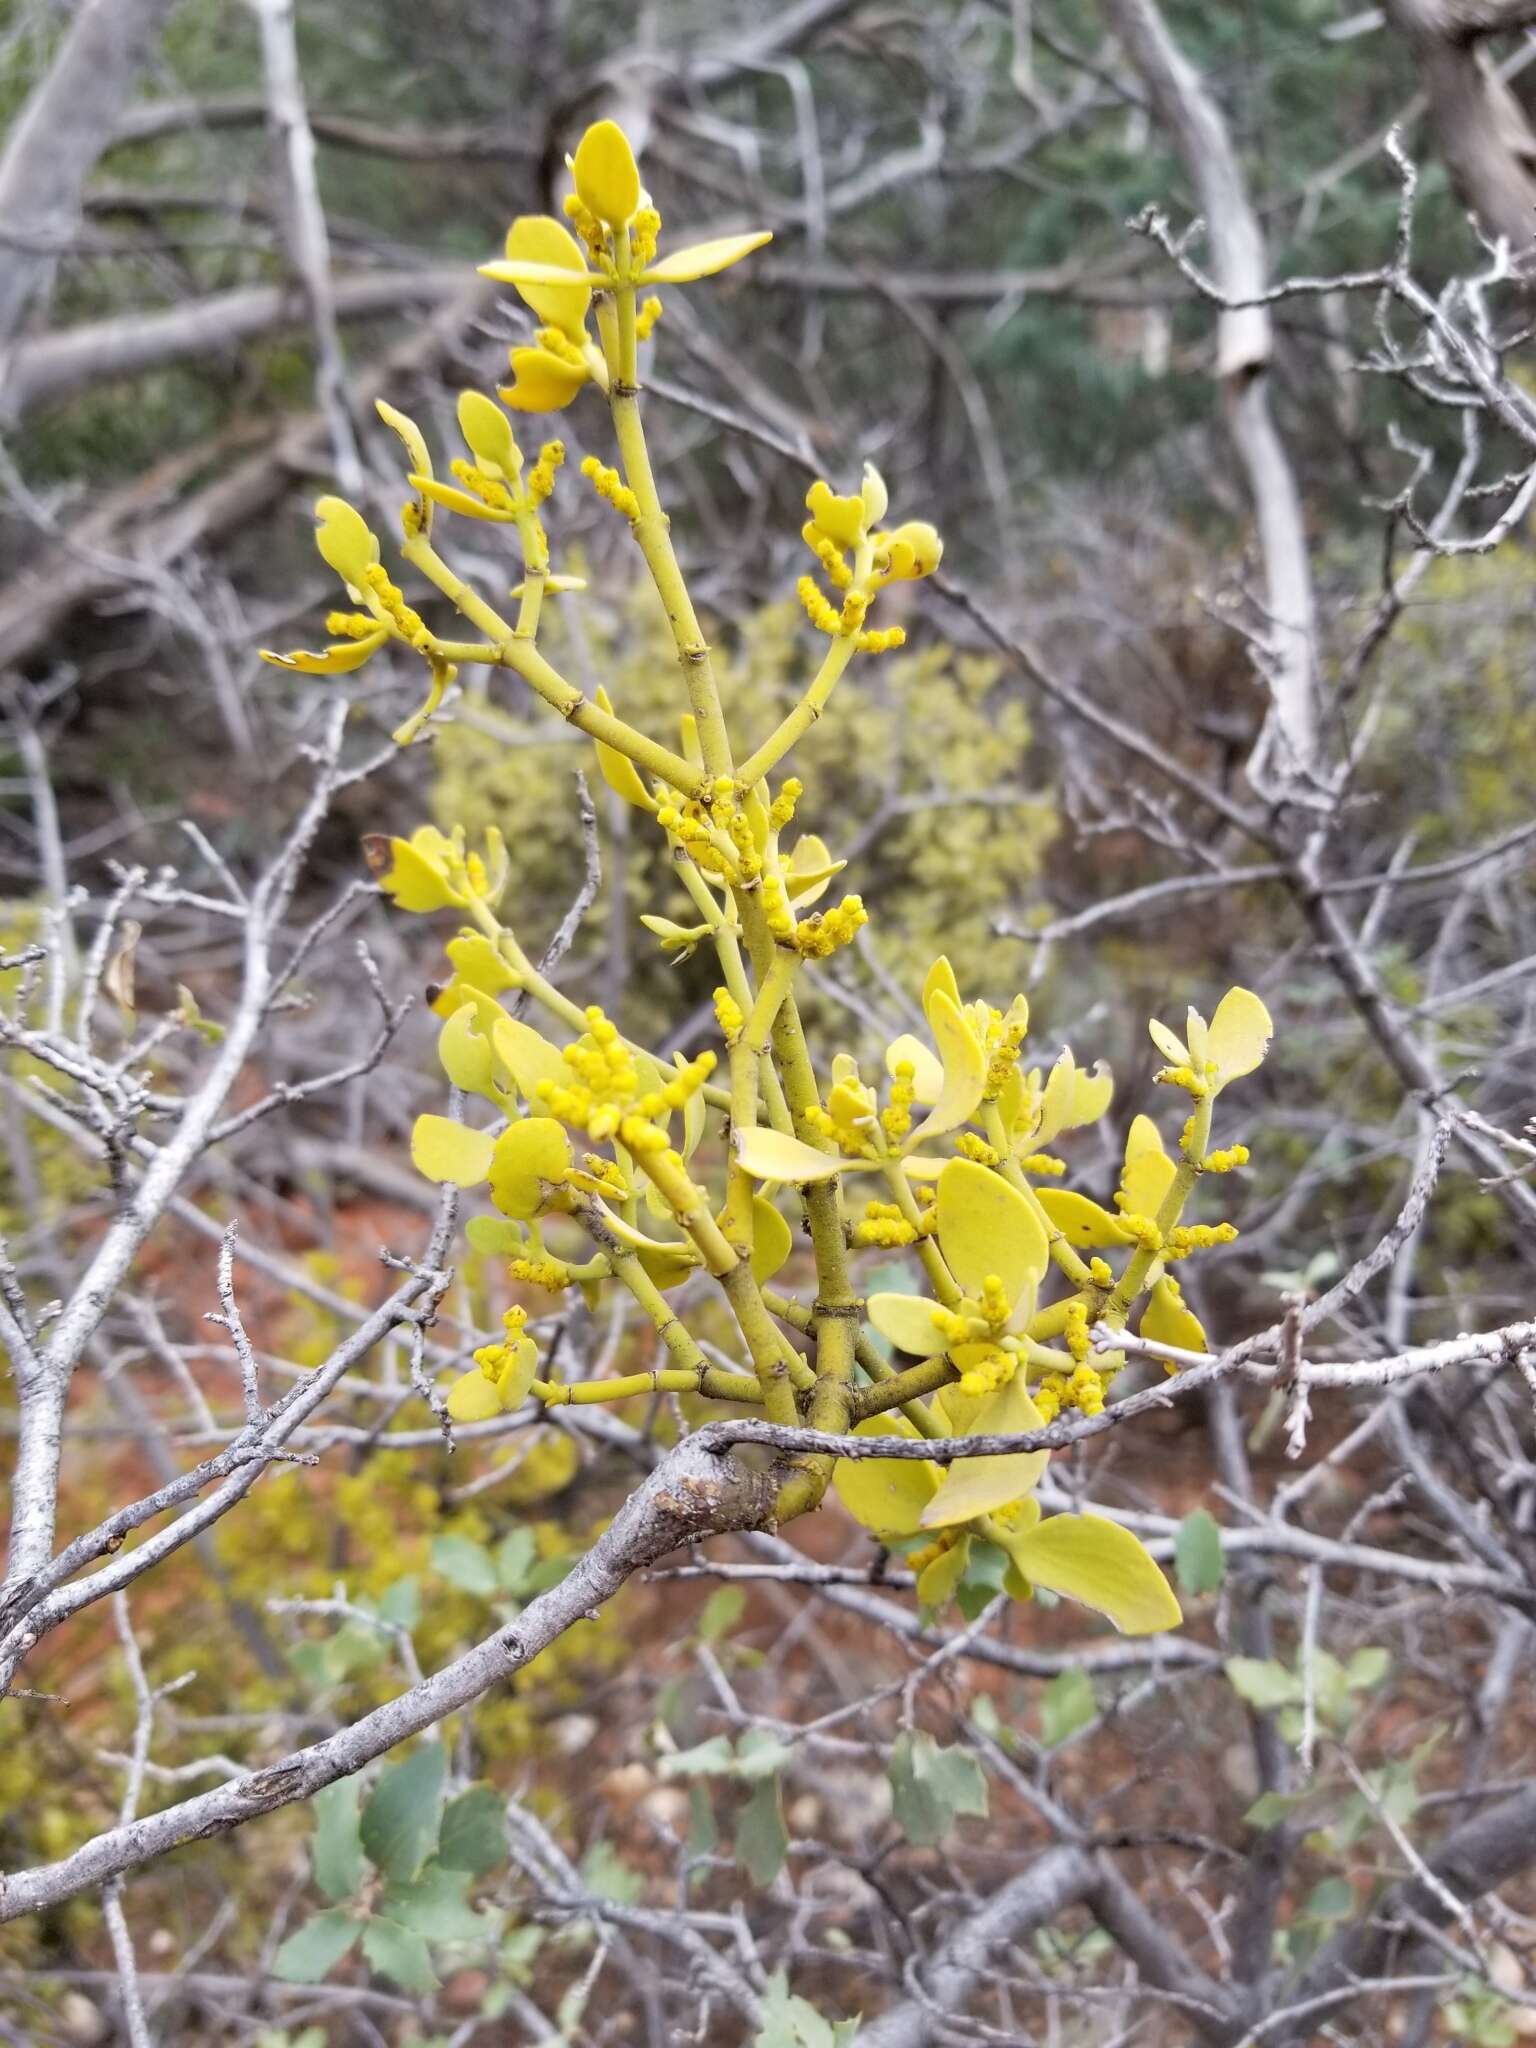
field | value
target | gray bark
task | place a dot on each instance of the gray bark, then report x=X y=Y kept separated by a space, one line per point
x=62 y=131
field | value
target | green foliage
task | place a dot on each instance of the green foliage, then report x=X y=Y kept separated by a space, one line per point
x=791 y=2022
x=1198 y=1558
x=403 y=1863
x=933 y=1787
x=1066 y=1705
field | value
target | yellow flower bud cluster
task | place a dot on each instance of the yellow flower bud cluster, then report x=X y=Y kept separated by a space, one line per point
x=737 y=826
x=1143 y=1229
x=690 y=825
x=825 y=617
x=1226 y=1161
x=1005 y=1037
x=493 y=1359
x=611 y=487
x=643 y=230
x=993 y=1370
x=883 y=1225
x=995 y=1305
x=392 y=601
x=647 y=313
x=350 y=625
x=818 y=936
x=1083 y=1389
x=605 y=1177
x=1075 y=1330
x=829 y=554
x=728 y=1015
x=782 y=809
x=969 y=1146
x=845 y=1123
x=541 y=478
x=590 y=229
x=1193 y=1084
x=919 y=1560
x=881 y=639
x=556 y=342
x=896 y=1117
x=490 y=490
x=1044 y=1165
x=1197 y=1237
x=1101 y=1273
x=553 y=1275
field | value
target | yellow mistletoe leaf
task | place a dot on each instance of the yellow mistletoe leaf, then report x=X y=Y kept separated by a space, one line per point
x=561 y=290
x=772 y=1240
x=1148 y=1173
x=528 y=1157
x=410 y=434
x=1173 y=1050
x=927 y=1068
x=1100 y=1565
x=773 y=1155
x=616 y=769
x=940 y=976
x=344 y=541
x=1166 y=1320
x=527 y=1056
x=517 y=1376
x=607 y=176
x=906 y=1320
x=465 y=1051
x=1080 y=1221
x=987 y=1229
x=412 y=871
x=979 y=1486
x=669 y=1267
x=1091 y=1096
x=916 y=549
x=1239 y=1035
x=840 y=519
x=488 y=434
x=473 y=1398
x=444 y=1150
x=965 y=1069
x=541 y=382
x=340 y=659
x=452 y=499
x=887 y=1495
x=707 y=259
x=695 y=1114
x=937 y=1580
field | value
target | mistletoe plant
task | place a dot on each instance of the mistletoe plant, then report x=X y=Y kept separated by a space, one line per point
x=594 y=1160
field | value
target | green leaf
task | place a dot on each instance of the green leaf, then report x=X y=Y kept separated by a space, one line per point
x=759 y=1754
x=401 y=1602
x=932 y=1787
x=469 y=1565
x=761 y=1837
x=517 y=1557
x=399 y=1953
x=986 y=1575
x=434 y=1906
x=1367 y=1667
x=791 y=2022
x=1197 y=1556
x=473 y=1836
x=604 y=1871
x=337 y=1849
x=1271 y=1808
x=314 y=1949
x=720 y=1613
x=1103 y=1566
x=1262 y=1683
x=400 y=1821
x=1333 y=1899
x=714 y=1758
x=1066 y=1705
